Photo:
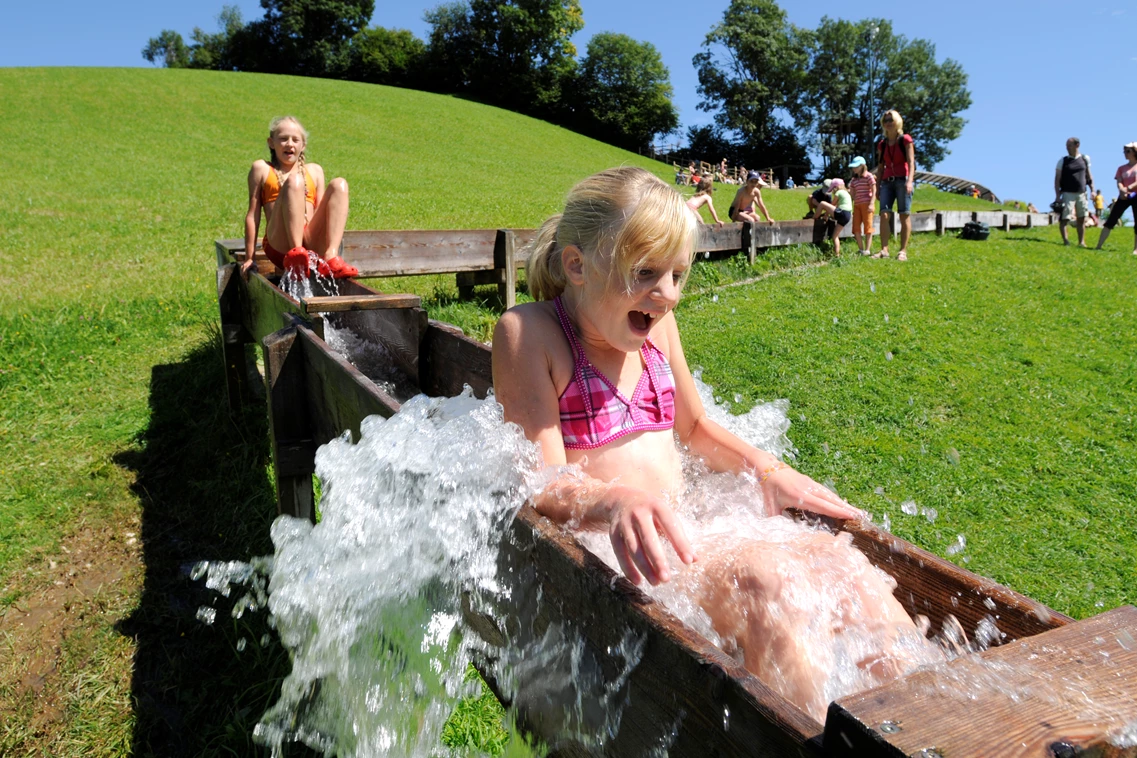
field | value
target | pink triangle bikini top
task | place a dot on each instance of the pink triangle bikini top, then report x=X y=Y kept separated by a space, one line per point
x=594 y=412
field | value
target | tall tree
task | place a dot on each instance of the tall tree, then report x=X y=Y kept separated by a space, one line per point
x=623 y=92
x=385 y=56
x=513 y=53
x=168 y=49
x=751 y=69
x=310 y=37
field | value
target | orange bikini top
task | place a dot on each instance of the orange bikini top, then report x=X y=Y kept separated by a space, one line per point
x=270 y=190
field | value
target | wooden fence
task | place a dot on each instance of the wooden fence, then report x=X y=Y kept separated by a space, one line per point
x=493 y=256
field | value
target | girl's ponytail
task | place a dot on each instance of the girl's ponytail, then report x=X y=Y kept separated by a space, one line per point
x=544 y=272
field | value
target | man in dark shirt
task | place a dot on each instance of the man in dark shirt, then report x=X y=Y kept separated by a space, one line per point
x=1071 y=177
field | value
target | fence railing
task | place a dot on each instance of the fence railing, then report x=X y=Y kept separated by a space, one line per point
x=493 y=256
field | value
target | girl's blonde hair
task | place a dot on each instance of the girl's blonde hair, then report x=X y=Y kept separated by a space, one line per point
x=274 y=127
x=896 y=119
x=622 y=220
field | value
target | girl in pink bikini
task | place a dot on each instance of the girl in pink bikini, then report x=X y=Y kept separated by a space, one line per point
x=304 y=216
x=594 y=373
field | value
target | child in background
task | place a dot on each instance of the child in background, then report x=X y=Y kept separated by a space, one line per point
x=818 y=196
x=863 y=186
x=748 y=196
x=594 y=372
x=702 y=198
x=840 y=210
x=302 y=214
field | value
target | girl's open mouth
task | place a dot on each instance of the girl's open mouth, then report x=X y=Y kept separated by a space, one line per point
x=641 y=321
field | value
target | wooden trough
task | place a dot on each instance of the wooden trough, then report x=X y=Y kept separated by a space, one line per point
x=685 y=694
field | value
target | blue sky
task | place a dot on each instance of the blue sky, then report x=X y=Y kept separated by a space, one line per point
x=1039 y=71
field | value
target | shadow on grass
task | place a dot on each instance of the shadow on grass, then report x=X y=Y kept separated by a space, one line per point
x=203 y=482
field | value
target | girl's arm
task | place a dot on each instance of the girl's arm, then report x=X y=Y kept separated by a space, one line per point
x=523 y=384
x=253 y=215
x=762 y=207
x=910 y=150
x=318 y=177
x=711 y=205
x=782 y=486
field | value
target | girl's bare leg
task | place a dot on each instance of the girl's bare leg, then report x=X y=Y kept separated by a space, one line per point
x=905 y=231
x=886 y=230
x=285 y=230
x=325 y=230
x=837 y=240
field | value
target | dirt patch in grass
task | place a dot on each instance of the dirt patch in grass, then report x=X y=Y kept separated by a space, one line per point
x=46 y=631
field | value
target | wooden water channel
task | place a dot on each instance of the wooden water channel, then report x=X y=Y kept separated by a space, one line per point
x=685 y=691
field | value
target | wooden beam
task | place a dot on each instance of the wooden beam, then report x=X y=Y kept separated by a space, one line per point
x=289 y=424
x=341 y=303
x=939 y=224
x=1060 y=693
x=402 y=253
x=233 y=333
x=448 y=359
x=505 y=267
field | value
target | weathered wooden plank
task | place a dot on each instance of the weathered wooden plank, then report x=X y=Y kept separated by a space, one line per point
x=341 y=303
x=233 y=333
x=400 y=253
x=1072 y=687
x=715 y=239
x=290 y=421
x=923 y=222
x=684 y=691
x=934 y=587
x=339 y=396
x=399 y=331
x=505 y=266
x=449 y=359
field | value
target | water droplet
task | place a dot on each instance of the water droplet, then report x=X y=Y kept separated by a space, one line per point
x=825 y=447
x=198 y=570
x=879 y=490
x=886 y=522
x=714 y=298
x=959 y=544
x=265 y=639
x=888 y=356
x=206 y=615
x=734 y=310
x=872 y=287
x=953 y=456
x=707 y=255
x=909 y=508
x=737 y=398
x=834 y=319
x=911 y=401
x=886 y=318
x=241 y=645
x=930 y=514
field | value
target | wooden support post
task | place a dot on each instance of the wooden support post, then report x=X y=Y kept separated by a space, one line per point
x=750 y=242
x=1006 y=222
x=505 y=267
x=939 y=224
x=290 y=428
x=233 y=334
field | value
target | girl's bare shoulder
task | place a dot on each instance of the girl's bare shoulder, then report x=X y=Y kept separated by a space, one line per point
x=260 y=167
x=527 y=325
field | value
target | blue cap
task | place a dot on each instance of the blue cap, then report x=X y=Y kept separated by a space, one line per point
x=858 y=161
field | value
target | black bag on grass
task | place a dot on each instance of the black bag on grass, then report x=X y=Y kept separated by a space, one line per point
x=975 y=230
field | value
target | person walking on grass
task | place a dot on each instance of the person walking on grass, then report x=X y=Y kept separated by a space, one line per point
x=1126 y=178
x=896 y=170
x=1099 y=204
x=1071 y=177
x=703 y=197
x=863 y=188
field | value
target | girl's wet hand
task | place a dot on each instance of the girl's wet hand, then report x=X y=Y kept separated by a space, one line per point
x=787 y=488
x=638 y=520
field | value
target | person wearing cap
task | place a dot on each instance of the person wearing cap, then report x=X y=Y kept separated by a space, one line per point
x=1071 y=177
x=840 y=210
x=896 y=170
x=863 y=188
x=819 y=196
x=748 y=196
x=1126 y=178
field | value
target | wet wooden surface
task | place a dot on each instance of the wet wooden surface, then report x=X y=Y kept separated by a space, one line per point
x=1060 y=693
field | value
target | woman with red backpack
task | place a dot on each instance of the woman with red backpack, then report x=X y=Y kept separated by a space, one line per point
x=896 y=170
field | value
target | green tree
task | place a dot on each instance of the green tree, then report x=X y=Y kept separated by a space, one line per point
x=168 y=49
x=623 y=92
x=309 y=37
x=385 y=56
x=752 y=69
x=512 y=53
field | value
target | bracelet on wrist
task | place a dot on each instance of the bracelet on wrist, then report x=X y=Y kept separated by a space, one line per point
x=767 y=472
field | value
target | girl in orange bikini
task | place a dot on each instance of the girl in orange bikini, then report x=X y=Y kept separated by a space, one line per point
x=303 y=215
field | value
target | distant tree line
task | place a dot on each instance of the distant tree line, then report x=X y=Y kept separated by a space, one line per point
x=777 y=92
x=515 y=54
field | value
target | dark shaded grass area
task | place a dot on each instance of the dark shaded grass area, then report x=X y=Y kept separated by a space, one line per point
x=205 y=495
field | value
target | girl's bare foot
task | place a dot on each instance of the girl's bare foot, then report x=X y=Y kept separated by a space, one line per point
x=902 y=255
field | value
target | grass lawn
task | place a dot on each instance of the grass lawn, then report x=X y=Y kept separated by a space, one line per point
x=1007 y=404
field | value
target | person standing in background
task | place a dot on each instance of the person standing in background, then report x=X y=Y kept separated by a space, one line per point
x=896 y=170
x=1071 y=177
